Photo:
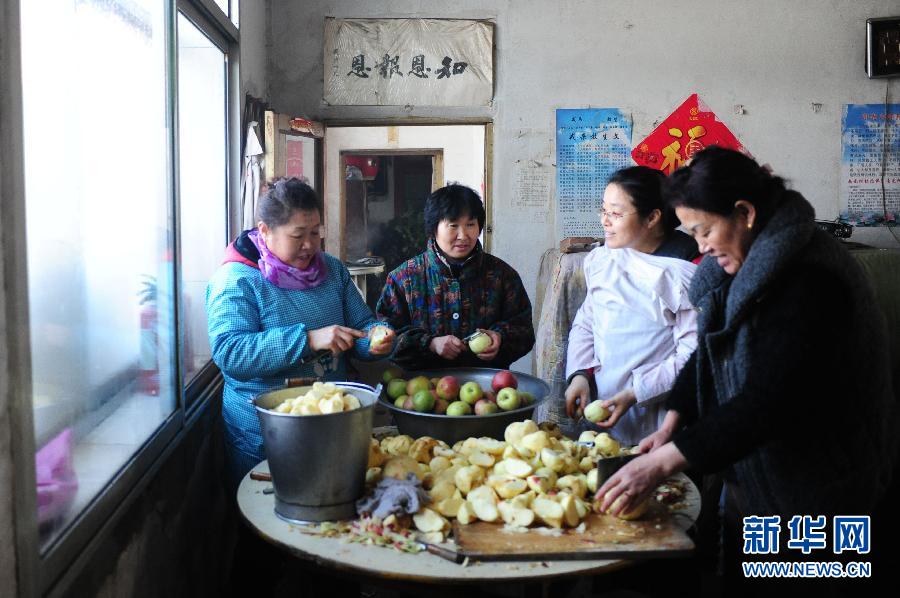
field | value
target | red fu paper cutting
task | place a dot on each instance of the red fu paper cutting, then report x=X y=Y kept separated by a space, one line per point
x=689 y=129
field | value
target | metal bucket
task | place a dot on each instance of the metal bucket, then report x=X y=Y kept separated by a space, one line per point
x=318 y=462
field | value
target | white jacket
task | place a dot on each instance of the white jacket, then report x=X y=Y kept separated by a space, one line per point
x=637 y=329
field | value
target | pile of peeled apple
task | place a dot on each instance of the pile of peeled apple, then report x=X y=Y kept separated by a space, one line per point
x=533 y=477
x=453 y=397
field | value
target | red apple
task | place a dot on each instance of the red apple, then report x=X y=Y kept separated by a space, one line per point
x=448 y=388
x=491 y=396
x=485 y=407
x=440 y=406
x=504 y=379
x=408 y=404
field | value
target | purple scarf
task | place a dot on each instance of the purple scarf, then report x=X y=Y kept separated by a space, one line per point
x=287 y=277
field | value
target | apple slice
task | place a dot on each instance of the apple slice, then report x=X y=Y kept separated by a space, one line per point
x=427 y=520
x=491 y=446
x=449 y=507
x=468 y=478
x=574 y=484
x=540 y=484
x=570 y=511
x=518 y=468
x=549 y=511
x=536 y=441
x=466 y=514
x=553 y=459
x=480 y=459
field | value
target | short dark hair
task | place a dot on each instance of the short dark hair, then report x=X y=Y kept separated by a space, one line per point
x=717 y=178
x=644 y=185
x=283 y=198
x=451 y=203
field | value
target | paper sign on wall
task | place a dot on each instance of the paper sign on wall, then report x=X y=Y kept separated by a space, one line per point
x=690 y=128
x=870 y=164
x=399 y=62
x=591 y=145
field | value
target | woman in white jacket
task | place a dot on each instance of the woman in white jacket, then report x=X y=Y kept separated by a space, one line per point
x=636 y=328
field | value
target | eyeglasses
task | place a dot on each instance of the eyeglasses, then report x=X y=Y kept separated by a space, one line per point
x=613 y=215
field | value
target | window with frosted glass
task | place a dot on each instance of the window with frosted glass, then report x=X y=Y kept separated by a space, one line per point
x=202 y=181
x=100 y=269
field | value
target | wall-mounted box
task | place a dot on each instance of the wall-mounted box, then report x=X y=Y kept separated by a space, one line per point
x=883 y=47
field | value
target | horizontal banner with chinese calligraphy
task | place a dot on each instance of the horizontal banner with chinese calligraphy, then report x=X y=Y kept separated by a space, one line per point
x=399 y=62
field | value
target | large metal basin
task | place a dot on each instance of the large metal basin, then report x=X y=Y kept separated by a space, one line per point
x=318 y=462
x=449 y=428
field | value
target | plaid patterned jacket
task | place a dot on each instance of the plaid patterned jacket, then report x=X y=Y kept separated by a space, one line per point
x=425 y=297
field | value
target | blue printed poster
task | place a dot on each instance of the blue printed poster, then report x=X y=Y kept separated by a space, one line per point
x=591 y=144
x=870 y=164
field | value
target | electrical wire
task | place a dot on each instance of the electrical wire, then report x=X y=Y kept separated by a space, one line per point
x=884 y=154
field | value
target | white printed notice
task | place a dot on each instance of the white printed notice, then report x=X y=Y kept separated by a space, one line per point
x=591 y=144
x=533 y=182
x=870 y=164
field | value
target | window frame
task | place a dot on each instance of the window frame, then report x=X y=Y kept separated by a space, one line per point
x=224 y=36
x=64 y=559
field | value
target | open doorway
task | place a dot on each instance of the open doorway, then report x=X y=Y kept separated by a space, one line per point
x=384 y=198
x=377 y=181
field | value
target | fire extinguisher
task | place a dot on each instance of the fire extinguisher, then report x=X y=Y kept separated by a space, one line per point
x=148 y=368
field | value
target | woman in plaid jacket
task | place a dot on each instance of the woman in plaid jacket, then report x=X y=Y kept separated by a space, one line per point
x=453 y=289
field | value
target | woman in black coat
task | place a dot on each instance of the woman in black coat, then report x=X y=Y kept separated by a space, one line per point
x=789 y=391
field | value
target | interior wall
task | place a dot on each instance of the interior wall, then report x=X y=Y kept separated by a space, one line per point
x=774 y=58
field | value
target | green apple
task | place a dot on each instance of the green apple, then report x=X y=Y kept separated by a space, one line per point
x=480 y=343
x=470 y=392
x=396 y=388
x=508 y=399
x=399 y=401
x=527 y=398
x=457 y=408
x=416 y=384
x=391 y=374
x=596 y=412
x=423 y=401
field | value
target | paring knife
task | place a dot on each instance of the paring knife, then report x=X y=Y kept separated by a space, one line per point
x=445 y=553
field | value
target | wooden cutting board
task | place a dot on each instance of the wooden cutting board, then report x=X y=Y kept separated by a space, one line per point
x=656 y=534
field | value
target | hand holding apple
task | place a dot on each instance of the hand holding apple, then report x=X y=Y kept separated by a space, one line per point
x=480 y=343
x=489 y=352
x=615 y=407
x=595 y=412
x=381 y=340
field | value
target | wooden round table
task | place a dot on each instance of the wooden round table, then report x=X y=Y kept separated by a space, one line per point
x=258 y=509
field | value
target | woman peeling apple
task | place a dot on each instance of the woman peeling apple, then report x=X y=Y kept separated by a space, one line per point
x=770 y=379
x=454 y=289
x=636 y=328
x=280 y=307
